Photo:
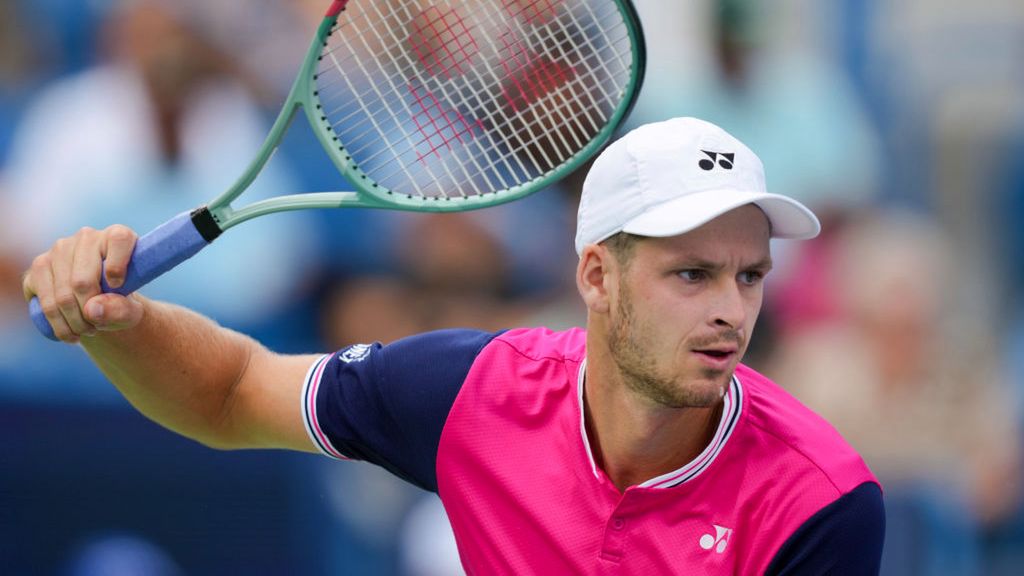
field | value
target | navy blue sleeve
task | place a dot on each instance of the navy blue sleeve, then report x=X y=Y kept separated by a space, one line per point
x=388 y=404
x=844 y=538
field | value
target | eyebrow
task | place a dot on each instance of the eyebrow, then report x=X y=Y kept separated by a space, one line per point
x=764 y=265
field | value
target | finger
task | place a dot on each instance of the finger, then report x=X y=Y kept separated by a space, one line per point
x=62 y=255
x=86 y=266
x=28 y=287
x=111 y=312
x=120 y=243
x=39 y=283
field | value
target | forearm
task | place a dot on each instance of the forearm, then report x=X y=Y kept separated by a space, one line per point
x=178 y=368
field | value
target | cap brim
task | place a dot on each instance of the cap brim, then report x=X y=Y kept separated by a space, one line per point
x=789 y=218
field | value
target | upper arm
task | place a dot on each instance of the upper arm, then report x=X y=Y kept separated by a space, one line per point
x=388 y=404
x=264 y=406
x=382 y=404
x=845 y=537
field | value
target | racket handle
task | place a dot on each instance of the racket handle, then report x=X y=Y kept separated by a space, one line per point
x=165 y=247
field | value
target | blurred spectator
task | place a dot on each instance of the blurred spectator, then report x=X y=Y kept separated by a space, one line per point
x=12 y=305
x=162 y=125
x=913 y=382
x=23 y=60
x=789 y=103
x=452 y=273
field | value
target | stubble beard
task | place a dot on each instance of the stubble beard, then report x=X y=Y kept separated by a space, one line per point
x=631 y=347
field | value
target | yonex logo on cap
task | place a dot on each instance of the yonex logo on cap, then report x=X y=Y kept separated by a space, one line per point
x=668 y=178
x=724 y=159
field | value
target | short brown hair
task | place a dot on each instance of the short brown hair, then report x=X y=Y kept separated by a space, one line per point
x=621 y=245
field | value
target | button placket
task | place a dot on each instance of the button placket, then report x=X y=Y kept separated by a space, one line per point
x=614 y=538
x=616 y=530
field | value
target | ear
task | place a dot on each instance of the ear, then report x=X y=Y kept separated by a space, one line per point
x=597 y=277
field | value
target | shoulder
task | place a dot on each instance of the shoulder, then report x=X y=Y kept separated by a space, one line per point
x=800 y=435
x=516 y=365
x=388 y=404
x=542 y=344
x=845 y=537
x=799 y=472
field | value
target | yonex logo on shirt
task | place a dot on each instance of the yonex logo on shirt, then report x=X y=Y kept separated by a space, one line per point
x=719 y=541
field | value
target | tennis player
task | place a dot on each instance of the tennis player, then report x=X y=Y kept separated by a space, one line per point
x=640 y=445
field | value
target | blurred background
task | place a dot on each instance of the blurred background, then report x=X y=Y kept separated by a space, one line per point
x=900 y=123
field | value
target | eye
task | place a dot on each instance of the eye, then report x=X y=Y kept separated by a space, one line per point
x=751 y=277
x=693 y=275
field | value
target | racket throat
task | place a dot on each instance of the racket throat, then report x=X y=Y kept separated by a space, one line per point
x=206 y=224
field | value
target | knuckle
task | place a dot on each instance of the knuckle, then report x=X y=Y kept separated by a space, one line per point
x=86 y=231
x=82 y=284
x=49 y=307
x=66 y=299
x=41 y=261
x=120 y=233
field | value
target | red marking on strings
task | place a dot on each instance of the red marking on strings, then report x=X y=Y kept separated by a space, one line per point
x=336 y=7
x=533 y=11
x=441 y=41
x=530 y=76
x=438 y=126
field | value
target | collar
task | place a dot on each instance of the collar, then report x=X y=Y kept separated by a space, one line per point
x=731 y=409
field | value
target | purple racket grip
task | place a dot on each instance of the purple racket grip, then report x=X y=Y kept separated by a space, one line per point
x=165 y=247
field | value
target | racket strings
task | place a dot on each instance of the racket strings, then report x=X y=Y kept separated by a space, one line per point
x=620 y=56
x=385 y=144
x=404 y=134
x=563 y=140
x=566 y=56
x=342 y=63
x=436 y=101
x=459 y=100
x=426 y=109
x=551 y=44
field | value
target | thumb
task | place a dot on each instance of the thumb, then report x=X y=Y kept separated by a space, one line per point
x=113 y=312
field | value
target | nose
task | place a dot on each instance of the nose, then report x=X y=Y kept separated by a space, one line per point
x=727 y=307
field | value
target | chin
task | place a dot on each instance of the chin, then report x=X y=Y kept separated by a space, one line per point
x=695 y=393
x=711 y=385
x=719 y=377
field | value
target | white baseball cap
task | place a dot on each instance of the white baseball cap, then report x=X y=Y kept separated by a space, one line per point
x=670 y=177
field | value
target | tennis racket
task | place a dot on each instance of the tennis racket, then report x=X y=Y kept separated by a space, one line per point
x=434 y=105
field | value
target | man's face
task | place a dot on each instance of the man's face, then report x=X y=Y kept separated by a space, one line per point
x=686 y=306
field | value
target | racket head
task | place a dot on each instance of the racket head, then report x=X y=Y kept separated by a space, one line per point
x=455 y=105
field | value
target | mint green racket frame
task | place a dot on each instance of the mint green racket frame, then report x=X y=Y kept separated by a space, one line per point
x=367 y=193
x=186 y=234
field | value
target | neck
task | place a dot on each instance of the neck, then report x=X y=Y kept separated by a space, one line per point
x=634 y=439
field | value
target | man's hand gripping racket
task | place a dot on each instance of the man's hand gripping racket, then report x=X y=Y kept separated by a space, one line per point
x=422 y=105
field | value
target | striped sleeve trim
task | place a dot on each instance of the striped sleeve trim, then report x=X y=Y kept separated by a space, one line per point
x=309 y=415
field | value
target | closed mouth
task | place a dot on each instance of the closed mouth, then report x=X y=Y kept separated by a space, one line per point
x=716 y=353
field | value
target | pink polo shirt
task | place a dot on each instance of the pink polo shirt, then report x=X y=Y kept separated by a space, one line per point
x=501 y=439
